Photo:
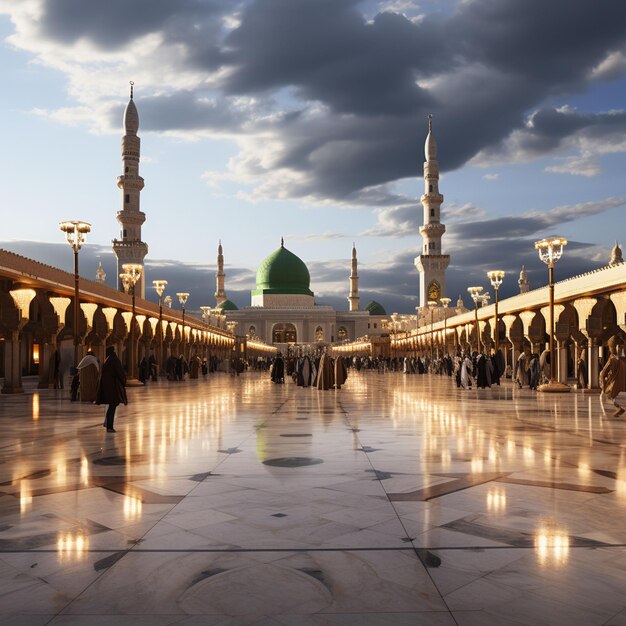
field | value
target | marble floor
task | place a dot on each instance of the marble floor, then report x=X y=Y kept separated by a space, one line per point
x=395 y=500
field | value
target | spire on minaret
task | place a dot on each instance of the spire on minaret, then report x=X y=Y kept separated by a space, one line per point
x=129 y=248
x=353 y=298
x=220 y=294
x=524 y=285
x=282 y=242
x=616 y=255
x=100 y=273
x=431 y=264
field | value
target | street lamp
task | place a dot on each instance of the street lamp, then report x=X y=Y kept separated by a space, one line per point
x=550 y=251
x=475 y=293
x=206 y=316
x=496 y=277
x=182 y=298
x=432 y=305
x=167 y=301
x=159 y=286
x=444 y=303
x=75 y=232
x=394 y=323
x=130 y=277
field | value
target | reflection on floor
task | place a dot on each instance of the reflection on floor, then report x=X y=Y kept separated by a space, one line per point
x=396 y=500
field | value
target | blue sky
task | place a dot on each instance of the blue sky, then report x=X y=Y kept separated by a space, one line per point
x=306 y=119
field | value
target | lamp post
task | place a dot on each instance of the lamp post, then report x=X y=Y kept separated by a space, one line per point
x=550 y=251
x=130 y=277
x=432 y=305
x=496 y=277
x=182 y=298
x=444 y=303
x=417 y=322
x=159 y=286
x=475 y=293
x=75 y=232
x=206 y=316
x=394 y=323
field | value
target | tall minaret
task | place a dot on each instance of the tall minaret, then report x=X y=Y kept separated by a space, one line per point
x=524 y=285
x=353 y=298
x=220 y=294
x=129 y=248
x=431 y=264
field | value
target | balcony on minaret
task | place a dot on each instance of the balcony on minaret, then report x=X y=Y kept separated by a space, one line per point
x=130 y=182
x=132 y=218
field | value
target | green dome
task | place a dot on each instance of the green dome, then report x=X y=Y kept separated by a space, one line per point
x=375 y=308
x=282 y=272
x=227 y=305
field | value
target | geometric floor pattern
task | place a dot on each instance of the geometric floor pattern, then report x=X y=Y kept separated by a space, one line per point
x=395 y=500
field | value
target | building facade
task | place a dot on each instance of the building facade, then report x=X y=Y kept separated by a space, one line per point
x=283 y=311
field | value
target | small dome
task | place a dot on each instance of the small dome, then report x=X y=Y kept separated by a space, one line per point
x=375 y=308
x=227 y=305
x=131 y=118
x=282 y=272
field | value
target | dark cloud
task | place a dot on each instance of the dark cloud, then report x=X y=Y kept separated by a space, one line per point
x=345 y=97
x=115 y=23
x=551 y=129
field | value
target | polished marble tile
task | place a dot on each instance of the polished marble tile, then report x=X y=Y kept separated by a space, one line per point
x=396 y=500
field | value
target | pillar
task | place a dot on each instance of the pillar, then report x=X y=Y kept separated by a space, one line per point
x=562 y=355
x=12 y=367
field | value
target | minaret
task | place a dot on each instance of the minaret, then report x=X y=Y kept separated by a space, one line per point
x=100 y=273
x=616 y=256
x=220 y=294
x=353 y=298
x=431 y=264
x=129 y=248
x=524 y=285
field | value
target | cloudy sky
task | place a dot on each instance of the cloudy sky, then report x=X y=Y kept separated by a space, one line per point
x=306 y=119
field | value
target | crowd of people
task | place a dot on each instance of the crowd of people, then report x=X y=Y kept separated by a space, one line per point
x=106 y=384
x=322 y=372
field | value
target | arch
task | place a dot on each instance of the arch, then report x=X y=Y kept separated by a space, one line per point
x=284 y=333
x=342 y=333
x=252 y=331
x=319 y=334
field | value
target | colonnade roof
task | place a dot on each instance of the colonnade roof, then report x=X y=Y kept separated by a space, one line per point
x=603 y=280
x=30 y=273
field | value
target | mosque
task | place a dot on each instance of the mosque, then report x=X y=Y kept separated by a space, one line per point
x=283 y=309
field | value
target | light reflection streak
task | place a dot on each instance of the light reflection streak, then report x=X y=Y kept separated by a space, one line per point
x=26 y=498
x=132 y=508
x=552 y=545
x=84 y=471
x=496 y=500
x=72 y=546
x=35 y=407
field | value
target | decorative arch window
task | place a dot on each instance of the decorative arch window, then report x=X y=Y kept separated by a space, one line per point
x=342 y=333
x=319 y=334
x=252 y=331
x=284 y=333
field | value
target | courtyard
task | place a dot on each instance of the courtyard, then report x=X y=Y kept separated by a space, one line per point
x=395 y=500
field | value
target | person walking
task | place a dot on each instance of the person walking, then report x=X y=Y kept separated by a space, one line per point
x=521 y=373
x=613 y=379
x=534 y=372
x=112 y=387
x=88 y=373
